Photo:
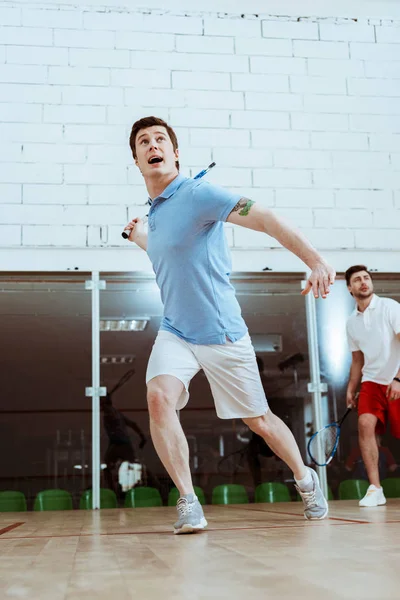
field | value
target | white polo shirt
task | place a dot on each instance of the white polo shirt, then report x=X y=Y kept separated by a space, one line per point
x=374 y=333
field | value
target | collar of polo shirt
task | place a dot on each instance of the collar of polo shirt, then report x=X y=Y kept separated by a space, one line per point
x=170 y=189
x=371 y=306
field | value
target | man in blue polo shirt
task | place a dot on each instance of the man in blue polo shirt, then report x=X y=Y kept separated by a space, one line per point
x=202 y=326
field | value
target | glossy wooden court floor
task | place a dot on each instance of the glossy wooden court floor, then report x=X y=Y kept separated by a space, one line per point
x=248 y=552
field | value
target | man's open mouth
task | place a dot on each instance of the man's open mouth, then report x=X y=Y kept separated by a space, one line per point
x=154 y=160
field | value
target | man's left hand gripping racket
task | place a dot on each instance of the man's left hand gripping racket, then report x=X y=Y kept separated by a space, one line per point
x=324 y=443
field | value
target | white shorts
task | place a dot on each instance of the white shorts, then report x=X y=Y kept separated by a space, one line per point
x=231 y=370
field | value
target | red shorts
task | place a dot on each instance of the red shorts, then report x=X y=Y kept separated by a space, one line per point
x=372 y=400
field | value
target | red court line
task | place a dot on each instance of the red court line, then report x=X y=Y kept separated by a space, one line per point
x=389 y=521
x=321 y=522
x=10 y=527
x=280 y=512
x=263 y=510
x=348 y=520
x=208 y=530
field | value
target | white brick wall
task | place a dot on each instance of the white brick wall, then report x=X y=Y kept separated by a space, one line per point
x=11 y=193
x=10 y=16
x=303 y=115
x=335 y=50
x=259 y=46
x=278 y=65
x=336 y=68
x=32 y=55
x=11 y=235
x=290 y=30
x=184 y=80
x=45 y=235
x=348 y=32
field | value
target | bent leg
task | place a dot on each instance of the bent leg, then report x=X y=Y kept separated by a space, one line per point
x=281 y=441
x=169 y=440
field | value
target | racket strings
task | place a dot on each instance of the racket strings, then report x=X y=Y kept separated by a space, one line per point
x=323 y=444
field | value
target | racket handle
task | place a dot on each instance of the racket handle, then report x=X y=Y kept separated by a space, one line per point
x=348 y=411
x=125 y=235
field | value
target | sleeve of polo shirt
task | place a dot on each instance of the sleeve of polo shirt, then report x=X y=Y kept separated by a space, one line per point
x=351 y=341
x=214 y=203
x=394 y=315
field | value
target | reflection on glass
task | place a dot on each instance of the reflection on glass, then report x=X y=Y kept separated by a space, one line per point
x=46 y=428
x=335 y=360
x=221 y=451
x=121 y=467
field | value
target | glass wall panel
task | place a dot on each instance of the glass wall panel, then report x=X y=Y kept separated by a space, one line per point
x=130 y=312
x=45 y=362
x=221 y=451
x=335 y=361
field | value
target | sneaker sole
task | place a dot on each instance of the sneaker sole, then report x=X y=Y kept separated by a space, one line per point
x=372 y=505
x=187 y=528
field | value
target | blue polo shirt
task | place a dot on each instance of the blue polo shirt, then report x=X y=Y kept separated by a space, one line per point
x=191 y=260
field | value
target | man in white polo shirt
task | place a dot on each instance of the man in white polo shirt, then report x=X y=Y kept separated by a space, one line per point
x=373 y=332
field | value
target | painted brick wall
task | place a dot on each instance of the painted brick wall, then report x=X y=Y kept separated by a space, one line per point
x=301 y=115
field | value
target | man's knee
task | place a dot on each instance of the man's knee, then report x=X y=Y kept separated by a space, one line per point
x=262 y=425
x=367 y=425
x=160 y=402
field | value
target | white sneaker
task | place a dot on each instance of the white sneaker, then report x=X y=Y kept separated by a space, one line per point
x=373 y=497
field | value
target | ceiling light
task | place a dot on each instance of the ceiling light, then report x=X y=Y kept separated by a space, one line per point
x=123 y=324
x=117 y=359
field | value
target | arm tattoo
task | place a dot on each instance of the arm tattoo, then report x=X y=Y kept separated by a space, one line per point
x=244 y=205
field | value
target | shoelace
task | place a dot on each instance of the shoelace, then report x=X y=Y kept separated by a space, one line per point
x=309 y=498
x=184 y=507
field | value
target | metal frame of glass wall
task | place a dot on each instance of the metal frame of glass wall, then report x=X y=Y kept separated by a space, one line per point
x=316 y=388
x=95 y=391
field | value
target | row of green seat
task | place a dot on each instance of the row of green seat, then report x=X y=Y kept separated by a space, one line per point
x=141 y=497
x=13 y=501
x=351 y=489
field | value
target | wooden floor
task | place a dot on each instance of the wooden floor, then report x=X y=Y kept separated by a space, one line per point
x=248 y=552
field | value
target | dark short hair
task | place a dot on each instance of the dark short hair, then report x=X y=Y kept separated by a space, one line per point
x=151 y=122
x=355 y=269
